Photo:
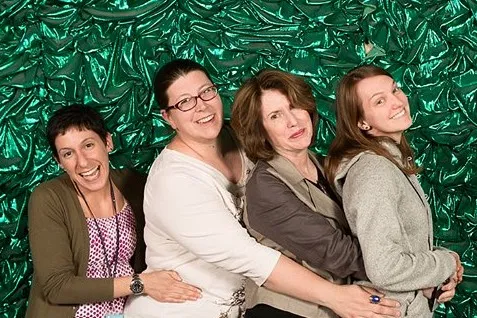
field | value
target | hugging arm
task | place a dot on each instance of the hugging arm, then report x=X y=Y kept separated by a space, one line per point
x=274 y=211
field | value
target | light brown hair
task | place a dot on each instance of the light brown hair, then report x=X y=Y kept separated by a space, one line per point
x=247 y=120
x=350 y=140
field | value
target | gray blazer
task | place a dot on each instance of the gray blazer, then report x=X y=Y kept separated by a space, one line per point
x=389 y=213
x=290 y=214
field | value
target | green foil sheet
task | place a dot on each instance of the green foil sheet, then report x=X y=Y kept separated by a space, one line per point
x=104 y=53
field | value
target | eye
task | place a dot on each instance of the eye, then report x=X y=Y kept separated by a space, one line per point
x=66 y=154
x=183 y=102
x=380 y=101
x=89 y=145
x=274 y=116
x=208 y=90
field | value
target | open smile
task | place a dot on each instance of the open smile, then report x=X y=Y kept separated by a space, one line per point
x=400 y=114
x=206 y=119
x=90 y=174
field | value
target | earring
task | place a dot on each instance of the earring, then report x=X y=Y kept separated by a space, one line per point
x=365 y=126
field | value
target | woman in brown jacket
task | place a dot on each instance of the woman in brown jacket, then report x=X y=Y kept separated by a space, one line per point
x=85 y=228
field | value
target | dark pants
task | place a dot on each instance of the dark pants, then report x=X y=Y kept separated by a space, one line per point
x=265 y=311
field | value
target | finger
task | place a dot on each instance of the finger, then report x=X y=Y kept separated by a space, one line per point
x=186 y=287
x=386 y=311
x=183 y=296
x=372 y=291
x=385 y=302
x=450 y=285
x=446 y=296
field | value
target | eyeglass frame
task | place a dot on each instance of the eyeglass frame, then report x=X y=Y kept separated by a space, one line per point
x=175 y=106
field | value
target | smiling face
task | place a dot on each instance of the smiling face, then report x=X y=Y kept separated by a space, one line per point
x=385 y=107
x=202 y=123
x=289 y=129
x=84 y=157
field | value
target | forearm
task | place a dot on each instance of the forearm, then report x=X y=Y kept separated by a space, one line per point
x=121 y=286
x=294 y=280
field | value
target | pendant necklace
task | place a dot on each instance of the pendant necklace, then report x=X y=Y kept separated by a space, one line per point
x=100 y=234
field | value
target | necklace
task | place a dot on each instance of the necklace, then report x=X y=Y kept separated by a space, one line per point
x=100 y=234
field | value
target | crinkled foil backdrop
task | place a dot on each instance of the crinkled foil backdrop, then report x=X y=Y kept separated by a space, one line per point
x=104 y=53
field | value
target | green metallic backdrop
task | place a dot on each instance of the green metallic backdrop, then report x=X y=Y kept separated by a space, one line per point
x=104 y=53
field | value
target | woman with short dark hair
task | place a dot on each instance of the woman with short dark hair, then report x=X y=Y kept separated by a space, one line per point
x=85 y=228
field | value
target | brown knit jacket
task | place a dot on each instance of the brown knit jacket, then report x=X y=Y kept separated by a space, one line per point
x=59 y=245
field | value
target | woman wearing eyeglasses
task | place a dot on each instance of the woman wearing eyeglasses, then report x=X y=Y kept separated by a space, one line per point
x=193 y=206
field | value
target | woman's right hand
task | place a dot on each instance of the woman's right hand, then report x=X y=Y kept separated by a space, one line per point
x=167 y=286
x=353 y=301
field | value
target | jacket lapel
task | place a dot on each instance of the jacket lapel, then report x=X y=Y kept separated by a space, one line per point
x=308 y=193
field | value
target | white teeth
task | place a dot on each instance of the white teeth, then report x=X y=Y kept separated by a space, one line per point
x=90 y=172
x=398 y=115
x=206 y=119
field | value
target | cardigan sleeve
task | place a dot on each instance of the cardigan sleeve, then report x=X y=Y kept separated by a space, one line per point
x=370 y=198
x=190 y=209
x=274 y=211
x=55 y=269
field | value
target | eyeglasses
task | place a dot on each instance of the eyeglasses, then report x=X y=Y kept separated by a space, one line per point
x=188 y=103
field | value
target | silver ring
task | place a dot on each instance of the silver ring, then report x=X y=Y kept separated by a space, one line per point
x=374 y=299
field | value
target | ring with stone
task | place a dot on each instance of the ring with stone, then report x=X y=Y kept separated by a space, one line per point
x=374 y=299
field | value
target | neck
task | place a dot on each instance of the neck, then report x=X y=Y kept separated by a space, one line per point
x=299 y=159
x=94 y=197
x=199 y=150
x=303 y=164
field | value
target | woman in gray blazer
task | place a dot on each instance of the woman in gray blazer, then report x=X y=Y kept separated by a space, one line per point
x=289 y=204
x=373 y=171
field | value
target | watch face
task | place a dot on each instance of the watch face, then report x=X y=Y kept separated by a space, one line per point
x=137 y=287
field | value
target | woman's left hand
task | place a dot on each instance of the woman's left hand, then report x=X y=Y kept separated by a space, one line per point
x=448 y=290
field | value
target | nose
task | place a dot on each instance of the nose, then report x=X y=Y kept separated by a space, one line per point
x=291 y=119
x=397 y=101
x=82 y=160
x=200 y=104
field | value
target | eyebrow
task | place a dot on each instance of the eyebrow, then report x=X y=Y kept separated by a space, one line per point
x=187 y=95
x=372 y=96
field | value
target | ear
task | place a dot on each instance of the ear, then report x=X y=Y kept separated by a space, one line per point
x=363 y=125
x=58 y=162
x=109 y=142
x=168 y=118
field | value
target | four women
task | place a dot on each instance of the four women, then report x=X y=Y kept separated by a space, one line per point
x=194 y=198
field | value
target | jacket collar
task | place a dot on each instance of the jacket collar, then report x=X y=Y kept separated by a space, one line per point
x=308 y=193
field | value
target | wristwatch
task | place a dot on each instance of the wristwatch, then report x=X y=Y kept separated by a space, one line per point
x=136 y=286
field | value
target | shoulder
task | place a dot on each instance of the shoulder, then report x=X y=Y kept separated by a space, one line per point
x=371 y=164
x=172 y=169
x=374 y=174
x=265 y=184
x=125 y=178
x=260 y=173
x=131 y=183
x=52 y=188
x=51 y=199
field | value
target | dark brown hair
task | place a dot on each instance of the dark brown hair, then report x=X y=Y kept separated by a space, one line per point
x=169 y=73
x=76 y=116
x=247 y=109
x=350 y=140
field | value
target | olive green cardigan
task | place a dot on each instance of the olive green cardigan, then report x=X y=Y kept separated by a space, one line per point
x=59 y=245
